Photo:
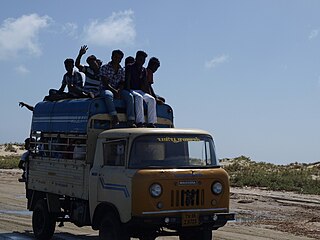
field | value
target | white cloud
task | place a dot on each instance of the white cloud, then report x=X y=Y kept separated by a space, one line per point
x=22 y=70
x=314 y=33
x=118 y=28
x=71 y=29
x=21 y=35
x=216 y=61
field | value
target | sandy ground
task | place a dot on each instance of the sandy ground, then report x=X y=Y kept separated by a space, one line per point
x=261 y=215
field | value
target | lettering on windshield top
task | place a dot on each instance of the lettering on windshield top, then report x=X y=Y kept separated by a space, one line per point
x=178 y=140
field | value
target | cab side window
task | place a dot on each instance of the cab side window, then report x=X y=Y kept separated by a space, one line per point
x=114 y=153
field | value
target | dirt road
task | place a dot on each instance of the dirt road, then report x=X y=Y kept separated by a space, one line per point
x=261 y=215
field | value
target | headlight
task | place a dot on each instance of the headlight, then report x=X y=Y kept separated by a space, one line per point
x=217 y=188
x=155 y=190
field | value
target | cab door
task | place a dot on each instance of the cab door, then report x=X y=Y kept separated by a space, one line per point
x=114 y=184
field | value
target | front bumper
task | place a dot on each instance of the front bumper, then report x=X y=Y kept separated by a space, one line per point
x=209 y=221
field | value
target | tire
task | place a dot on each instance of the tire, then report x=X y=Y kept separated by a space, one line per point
x=43 y=223
x=196 y=235
x=206 y=235
x=110 y=229
x=147 y=238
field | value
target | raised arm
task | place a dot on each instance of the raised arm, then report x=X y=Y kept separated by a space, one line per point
x=22 y=104
x=82 y=51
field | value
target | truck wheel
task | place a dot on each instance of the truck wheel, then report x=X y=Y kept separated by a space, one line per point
x=147 y=238
x=110 y=229
x=206 y=235
x=196 y=235
x=43 y=223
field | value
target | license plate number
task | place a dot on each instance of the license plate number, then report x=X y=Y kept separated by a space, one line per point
x=190 y=219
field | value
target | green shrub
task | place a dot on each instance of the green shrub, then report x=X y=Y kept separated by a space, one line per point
x=9 y=162
x=294 y=177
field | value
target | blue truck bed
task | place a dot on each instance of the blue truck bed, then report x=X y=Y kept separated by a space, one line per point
x=72 y=115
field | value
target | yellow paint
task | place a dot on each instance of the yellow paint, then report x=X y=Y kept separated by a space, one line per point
x=177 y=184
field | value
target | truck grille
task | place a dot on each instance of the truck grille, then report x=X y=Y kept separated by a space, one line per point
x=186 y=198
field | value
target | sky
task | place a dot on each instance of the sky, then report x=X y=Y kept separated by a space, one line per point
x=246 y=71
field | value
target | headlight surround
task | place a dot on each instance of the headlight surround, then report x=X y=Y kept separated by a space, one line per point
x=155 y=190
x=216 y=188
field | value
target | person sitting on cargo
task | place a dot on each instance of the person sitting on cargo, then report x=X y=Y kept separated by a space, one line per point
x=128 y=60
x=92 y=81
x=99 y=62
x=135 y=75
x=112 y=81
x=152 y=67
x=73 y=80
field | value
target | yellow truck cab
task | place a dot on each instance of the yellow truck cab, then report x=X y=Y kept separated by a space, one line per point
x=125 y=182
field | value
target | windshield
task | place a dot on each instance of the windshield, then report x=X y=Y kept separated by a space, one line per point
x=178 y=151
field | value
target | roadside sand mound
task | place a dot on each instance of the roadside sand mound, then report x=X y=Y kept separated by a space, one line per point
x=12 y=150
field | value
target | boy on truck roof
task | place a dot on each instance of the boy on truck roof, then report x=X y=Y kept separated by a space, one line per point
x=93 y=84
x=92 y=81
x=135 y=77
x=112 y=81
x=72 y=79
x=152 y=67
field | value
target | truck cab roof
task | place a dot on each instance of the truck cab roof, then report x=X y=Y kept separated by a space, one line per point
x=135 y=132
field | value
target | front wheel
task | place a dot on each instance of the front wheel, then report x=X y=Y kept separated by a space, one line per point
x=147 y=238
x=43 y=223
x=110 y=229
x=196 y=235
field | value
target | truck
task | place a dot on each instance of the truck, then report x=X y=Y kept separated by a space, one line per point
x=124 y=182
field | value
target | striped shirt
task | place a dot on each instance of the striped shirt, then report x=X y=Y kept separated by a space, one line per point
x=92 y=83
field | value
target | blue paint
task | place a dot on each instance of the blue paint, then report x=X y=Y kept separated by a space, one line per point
x=115 y=187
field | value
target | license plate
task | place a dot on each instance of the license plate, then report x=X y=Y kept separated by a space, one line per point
x=190 y=219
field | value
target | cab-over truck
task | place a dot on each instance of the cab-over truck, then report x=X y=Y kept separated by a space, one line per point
x=124 y=182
